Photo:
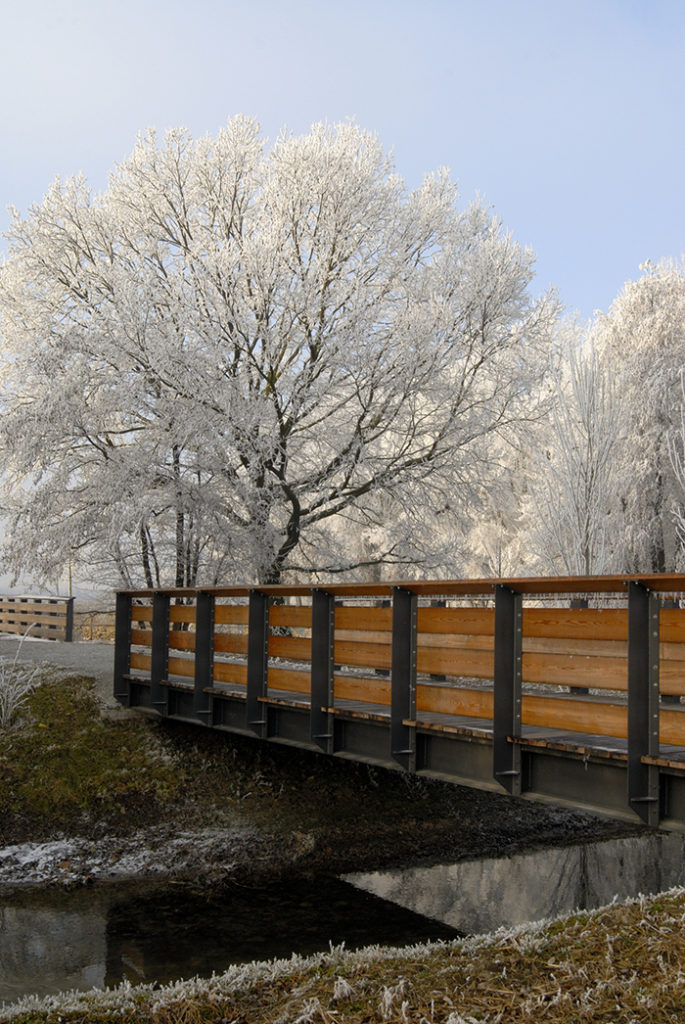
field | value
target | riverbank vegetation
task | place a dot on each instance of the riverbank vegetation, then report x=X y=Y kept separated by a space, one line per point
x=620 y=964
x=67 y=769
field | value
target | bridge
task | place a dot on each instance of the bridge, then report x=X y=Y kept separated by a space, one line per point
x=564 y=689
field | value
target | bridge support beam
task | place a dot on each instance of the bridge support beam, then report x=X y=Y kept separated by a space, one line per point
x=257 y=662
x=403 y=679
x=159 y=664
x=322 y=670
x=506 y=750
x=643 y=701
x=122 y=649
x=204 y=655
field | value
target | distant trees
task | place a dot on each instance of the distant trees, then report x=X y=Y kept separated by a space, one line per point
x=236 y=356
x=572 y=507
x=643 y=338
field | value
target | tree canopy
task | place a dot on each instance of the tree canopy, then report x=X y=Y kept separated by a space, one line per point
x=237 y=355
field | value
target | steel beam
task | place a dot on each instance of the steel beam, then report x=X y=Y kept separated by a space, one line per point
x=257 y=662
x=159 y=668
x=204 y=655
x=643 y=701
x=403 y=681
x=122 y=649
x=506 y=753
x=69 y=628
x=322 y=670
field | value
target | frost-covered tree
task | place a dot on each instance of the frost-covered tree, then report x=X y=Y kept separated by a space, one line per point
x=643 y=336
x=572 y=508
x=235 y=349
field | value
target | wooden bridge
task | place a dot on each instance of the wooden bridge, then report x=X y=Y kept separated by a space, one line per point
x=563 y=689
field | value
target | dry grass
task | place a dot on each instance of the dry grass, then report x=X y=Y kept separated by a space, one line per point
x=621 y=964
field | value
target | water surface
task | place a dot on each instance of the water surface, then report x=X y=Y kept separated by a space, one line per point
x=51 y=941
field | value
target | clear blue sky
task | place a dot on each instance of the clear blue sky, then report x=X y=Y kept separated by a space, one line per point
x=566 y=115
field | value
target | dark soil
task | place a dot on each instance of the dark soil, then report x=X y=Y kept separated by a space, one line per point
x=65 y=770
x=351 y=817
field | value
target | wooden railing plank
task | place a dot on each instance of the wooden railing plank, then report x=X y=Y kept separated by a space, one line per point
x=456 y=620
x=141 y=612
x=230 y=672
x=672 y=678
x=141 y=637
x=296 y=648
x=231 y=643
x=293 y=616
x=576 y=670
x=141 y=661
x=593 y=717
x=453 y=700
x=364 y=636
x=291 y=680
x=362 y=655
x=456 y=662
x=182 y=613
x=181 y=667
x=365 y=690
x=672 y=625
x=182 y=640
x=231 y=614
x=582 y=623
x=672 y=651
x=363 y=617
x=672 y=727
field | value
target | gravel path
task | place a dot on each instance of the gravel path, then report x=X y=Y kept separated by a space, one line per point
x=91 y=658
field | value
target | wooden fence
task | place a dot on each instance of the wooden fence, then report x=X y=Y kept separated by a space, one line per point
x=50 y=618
x=583 y=666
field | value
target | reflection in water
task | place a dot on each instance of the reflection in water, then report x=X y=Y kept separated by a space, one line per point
x=52 y=941
x=481 y=896
x=45 y=949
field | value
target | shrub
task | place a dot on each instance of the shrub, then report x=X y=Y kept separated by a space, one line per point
x=16 y=683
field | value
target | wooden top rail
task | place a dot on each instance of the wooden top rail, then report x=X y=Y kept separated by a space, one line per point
x=528 y=585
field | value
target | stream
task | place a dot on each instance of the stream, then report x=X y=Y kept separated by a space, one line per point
x=53 y=940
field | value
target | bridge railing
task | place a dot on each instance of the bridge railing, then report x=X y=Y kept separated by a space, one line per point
x=566 y=661
x=50 y=618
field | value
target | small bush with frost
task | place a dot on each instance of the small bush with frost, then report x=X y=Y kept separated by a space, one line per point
x=16 y=684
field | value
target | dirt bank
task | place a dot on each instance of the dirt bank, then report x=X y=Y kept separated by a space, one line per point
x=89 y=794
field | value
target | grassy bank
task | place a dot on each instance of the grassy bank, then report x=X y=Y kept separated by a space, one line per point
x=66 y=769
x=622 y=964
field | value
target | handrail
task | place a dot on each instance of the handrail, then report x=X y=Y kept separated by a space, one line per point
x=603 y=584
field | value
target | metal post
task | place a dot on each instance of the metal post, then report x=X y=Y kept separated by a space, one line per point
x=507 y=698
x=403 y=682
x=122 y=649
x=439 y=677
x=204 y=654
x=69 y=628
x=257 y=661
x=322 y=669
x=643 y=701
x=159 y=668
x=579 y=602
